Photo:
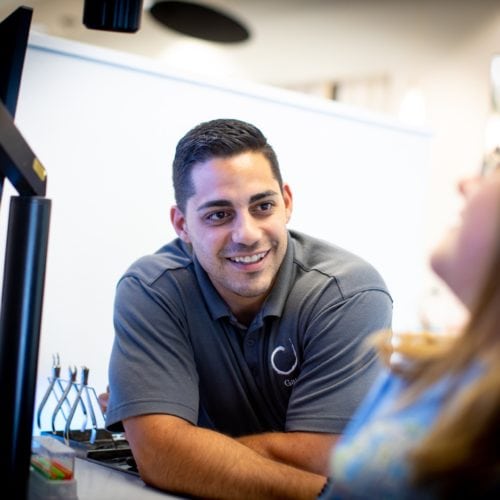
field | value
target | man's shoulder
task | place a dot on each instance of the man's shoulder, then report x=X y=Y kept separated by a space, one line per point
x=351 y=272
x=170 y=257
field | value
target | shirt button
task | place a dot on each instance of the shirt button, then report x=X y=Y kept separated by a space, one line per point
x=250 y=342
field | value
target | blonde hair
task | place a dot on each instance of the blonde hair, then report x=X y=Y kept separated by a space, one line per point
x=461 y=452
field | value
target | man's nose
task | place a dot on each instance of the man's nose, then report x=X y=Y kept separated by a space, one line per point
x=246 y=229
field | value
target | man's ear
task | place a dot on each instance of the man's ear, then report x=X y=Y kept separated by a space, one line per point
x=287 y=197
x=179 y=222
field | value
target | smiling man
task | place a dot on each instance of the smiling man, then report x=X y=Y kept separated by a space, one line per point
x=237 y=358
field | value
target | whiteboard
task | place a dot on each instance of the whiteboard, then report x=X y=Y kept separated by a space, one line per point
x=105 y=125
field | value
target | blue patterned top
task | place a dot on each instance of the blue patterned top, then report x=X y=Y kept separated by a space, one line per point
x=370 y=460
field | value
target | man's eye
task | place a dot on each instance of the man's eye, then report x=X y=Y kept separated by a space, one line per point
x=265 y=207
x=217 y=216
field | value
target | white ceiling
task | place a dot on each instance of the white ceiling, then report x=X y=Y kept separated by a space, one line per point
x=293 y=41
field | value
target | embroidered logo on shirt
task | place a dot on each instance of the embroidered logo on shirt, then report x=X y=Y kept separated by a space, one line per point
x=275 y=359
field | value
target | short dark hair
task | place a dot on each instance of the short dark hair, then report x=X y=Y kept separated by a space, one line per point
x=219 y=138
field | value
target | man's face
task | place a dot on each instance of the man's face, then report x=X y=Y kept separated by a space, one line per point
x=236 y=224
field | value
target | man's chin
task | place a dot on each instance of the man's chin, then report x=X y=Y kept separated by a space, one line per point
x=251 y=292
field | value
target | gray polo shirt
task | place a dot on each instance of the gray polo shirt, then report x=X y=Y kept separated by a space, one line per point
x=299 y=366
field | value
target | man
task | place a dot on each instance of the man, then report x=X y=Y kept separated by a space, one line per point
x=237 y=359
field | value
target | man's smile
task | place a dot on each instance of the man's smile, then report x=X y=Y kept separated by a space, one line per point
x=248 y=259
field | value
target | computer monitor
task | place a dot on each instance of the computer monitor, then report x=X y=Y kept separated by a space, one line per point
x=14 y=32
x=24 y=268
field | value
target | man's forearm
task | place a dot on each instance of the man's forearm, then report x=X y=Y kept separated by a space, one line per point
x=179 y=457
x=306 y=450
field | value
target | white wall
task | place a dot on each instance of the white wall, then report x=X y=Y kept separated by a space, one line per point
x=448 y=63
x=458 y=95
x=105 y=126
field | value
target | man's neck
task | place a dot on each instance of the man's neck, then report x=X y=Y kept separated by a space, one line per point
x=245 y=308
x=246 y=314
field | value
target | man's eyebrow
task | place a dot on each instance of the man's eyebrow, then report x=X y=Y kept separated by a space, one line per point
x=260 y=196
x=227 y=203
x=214 y=203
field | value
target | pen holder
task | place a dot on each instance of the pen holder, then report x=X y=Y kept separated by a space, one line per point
x=52 y=470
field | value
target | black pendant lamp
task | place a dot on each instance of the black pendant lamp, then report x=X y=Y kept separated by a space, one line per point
x=199 y=21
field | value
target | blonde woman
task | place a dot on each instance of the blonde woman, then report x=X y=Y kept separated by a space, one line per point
x=430 y=428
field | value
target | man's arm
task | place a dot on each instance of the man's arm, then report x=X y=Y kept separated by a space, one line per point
x=306 y=450
x=174 y=455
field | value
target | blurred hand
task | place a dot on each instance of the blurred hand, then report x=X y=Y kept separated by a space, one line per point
x=103 y=400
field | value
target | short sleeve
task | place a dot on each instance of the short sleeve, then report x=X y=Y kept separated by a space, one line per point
x=337 y=369
x=152 y=368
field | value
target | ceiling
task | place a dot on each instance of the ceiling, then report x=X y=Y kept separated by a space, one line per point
x=293 y=42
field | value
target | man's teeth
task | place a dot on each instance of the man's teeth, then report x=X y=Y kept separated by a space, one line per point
x=249 y=259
